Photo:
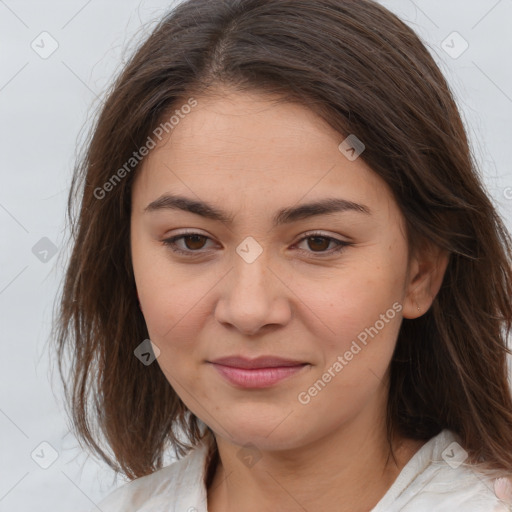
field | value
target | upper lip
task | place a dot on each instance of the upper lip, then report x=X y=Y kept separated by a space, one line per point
x=258 y=362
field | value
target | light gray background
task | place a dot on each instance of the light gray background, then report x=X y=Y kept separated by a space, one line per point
x=45 y=106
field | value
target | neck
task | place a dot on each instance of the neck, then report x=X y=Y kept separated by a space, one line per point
x=348 y=470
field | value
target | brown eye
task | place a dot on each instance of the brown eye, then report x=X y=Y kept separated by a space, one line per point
x=194 y=242
x=318 y=243
x=191 y=243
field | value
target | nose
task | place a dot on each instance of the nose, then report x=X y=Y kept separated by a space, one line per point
x=253 y=297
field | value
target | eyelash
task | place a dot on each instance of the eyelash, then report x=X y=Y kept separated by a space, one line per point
x=171 y=244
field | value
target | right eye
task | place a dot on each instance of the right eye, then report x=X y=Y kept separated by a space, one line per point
x=193 y=243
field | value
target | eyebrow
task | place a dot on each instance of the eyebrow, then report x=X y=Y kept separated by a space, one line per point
x=283 y=216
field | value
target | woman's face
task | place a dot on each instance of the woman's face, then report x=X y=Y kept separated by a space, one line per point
x=253 y=284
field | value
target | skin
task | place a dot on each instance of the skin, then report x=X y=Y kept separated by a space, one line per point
x=250 y=156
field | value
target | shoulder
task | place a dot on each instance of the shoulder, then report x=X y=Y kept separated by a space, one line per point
x=444 y=488
x=178 y=486
x=439 y=479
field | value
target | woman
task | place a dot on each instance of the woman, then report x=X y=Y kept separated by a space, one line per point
x=286 y=267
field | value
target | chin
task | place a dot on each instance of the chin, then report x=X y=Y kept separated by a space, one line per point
x=265 y=435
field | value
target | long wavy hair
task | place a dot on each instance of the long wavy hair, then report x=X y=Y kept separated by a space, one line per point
x=365 y=72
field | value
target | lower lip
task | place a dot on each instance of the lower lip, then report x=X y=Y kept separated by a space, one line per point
x=258 y=377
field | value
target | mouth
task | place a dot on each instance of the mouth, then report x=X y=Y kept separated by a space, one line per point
x=257 y=373
x=257 y=363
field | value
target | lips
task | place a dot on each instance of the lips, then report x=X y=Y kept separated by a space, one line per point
x=258 y=373
x=259 y=362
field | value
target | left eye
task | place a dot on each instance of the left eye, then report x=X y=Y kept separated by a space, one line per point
x=194 y=242
x=320 y=242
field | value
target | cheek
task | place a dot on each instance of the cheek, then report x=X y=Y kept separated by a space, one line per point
x=364 y=336
x=360 y=313
x=169 y=293
x=174 y=313
x=351 y=301
x=355 y=363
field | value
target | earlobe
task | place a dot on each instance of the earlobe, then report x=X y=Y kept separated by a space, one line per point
x=426 y=276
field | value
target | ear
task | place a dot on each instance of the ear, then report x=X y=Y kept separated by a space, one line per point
x=424 y=278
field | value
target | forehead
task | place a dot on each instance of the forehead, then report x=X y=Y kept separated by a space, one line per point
x=248 y=147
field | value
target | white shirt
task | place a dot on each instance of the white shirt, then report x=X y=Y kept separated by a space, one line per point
x=427 y=483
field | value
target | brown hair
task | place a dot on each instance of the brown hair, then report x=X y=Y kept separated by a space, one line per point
x=366 y=73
